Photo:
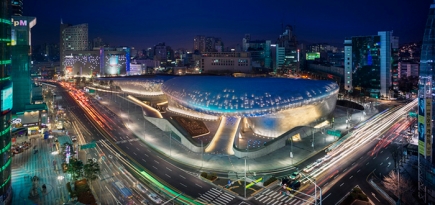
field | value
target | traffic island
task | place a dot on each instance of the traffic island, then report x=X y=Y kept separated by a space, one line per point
x=237 y=187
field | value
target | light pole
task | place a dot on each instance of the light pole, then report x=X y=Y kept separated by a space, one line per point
x=291 y=149
x=312 y=144
x=245 y=179
x=315 y=191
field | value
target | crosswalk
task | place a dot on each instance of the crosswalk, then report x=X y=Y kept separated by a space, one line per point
x=276 y=198
x=216 y=196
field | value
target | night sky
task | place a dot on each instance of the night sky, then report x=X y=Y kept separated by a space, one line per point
x=144 y=23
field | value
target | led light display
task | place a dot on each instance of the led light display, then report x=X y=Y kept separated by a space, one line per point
x=6 y=96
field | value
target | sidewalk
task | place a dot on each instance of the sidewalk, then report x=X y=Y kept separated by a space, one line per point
x=28 y=164
x=277 y=160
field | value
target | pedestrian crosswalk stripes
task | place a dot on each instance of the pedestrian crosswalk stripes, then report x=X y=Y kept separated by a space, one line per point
x=216 y=196
x=271 y=197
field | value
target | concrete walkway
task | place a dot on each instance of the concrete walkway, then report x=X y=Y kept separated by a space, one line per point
x=28 y=164
x=277 y=160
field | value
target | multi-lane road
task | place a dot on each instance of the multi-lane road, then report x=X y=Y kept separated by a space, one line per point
x=133 y=149
x=365 y=153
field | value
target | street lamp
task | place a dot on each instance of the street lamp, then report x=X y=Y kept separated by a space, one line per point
x=291 y=149
x=315 y=190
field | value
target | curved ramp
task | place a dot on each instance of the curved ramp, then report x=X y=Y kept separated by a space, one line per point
x=223 y=140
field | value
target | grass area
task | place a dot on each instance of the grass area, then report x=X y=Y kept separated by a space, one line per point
x=355 y=194
x=237 y=187
x=195 y=128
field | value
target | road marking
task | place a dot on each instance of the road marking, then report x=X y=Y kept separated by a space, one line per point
x=352 y=164
x=326 y=196
x=367 y=163
x=350 y=177
x=168 y=176
x=168 y=169
x=144 y=160
x=374 y=157
x=341 y=184
x=336 y=176
x=155 y=167
x=374 y=195
x=326 y=183
x=146 y=155
x=358 y=170
x=157 y=162
x=344 y=170
x=387 y=158
x=183 y=185
x=381 y=163
x=137 y=149
x=198 y=185
x=134 y=153
x=127 y=147
x=382 y=151
x=182 y=177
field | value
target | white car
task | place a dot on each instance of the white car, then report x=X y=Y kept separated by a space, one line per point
x=318 y=162
x=141 y=188
x=308 y=168
x=326 y=158
x=156 y=199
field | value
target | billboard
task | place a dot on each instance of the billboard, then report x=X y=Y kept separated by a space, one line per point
x=425 y=126
x=312 y=56
x=6 y=98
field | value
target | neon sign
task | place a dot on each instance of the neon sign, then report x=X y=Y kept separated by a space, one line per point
x=19 y=22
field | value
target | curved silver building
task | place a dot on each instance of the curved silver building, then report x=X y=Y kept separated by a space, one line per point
x=267 y=106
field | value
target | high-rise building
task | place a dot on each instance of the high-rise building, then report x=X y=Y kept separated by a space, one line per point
x=199 y=43
x=291 y=53
x=72 y=38
x=17 y=7
x=408 y=68
x=426 y=151
x=260 y=53
x=6 y=96
x=371 y=64
x=21 y=55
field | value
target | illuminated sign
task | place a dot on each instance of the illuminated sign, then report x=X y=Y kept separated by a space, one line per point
x=19 y=22
x=6 y=96
x=312 y=56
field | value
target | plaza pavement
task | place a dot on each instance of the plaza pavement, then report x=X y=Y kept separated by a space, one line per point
x=277 y=160
x=29 y=164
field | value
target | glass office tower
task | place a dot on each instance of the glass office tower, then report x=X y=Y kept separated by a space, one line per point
x=5 y=102
x=426 y=170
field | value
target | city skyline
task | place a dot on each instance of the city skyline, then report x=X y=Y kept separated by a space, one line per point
x=144 y=24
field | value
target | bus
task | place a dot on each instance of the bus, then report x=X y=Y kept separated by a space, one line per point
x=125 y=191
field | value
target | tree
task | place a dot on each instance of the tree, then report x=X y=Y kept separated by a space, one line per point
x=401 y=188
x=91 y=170
x=75 y=168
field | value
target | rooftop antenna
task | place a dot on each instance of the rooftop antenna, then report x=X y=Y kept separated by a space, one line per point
x=61 y=22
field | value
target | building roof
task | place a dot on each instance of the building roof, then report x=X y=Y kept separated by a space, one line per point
x=246 y=96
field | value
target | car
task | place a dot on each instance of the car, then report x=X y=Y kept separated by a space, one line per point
x=156 y=199
x=295 y=185
x=295 y=175
x=145 y=201
x=73 y=138
x=327 y=158
x=318 y=162
x=141 y=188
x=308 y=168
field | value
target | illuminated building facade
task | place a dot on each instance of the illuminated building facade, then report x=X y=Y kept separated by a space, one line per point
x=226 y=62
x=287 y=52
x=106 y=61
x=426 y=162
x=72 y=38
x=260 y=53
x=21 y=56
x=6 y=100
x=371 y=64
